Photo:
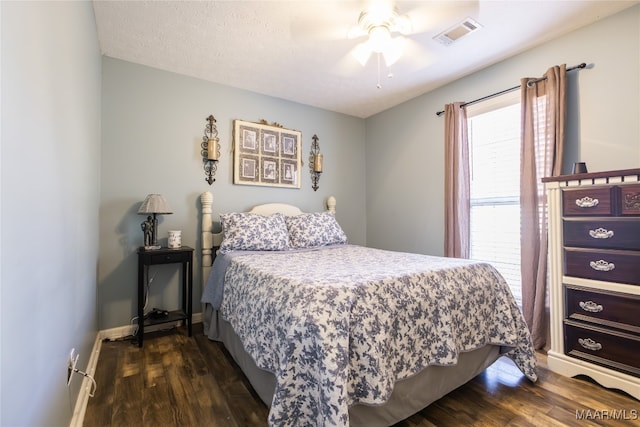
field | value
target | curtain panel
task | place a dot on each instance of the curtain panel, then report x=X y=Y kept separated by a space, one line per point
x=457 y=182
x=543 y=121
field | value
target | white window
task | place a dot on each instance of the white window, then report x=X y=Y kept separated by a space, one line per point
x=494 y=155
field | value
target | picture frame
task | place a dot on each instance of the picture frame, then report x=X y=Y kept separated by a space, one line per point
x=266 y=154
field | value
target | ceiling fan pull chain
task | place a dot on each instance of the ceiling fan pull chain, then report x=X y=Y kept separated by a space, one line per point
x=379 y=86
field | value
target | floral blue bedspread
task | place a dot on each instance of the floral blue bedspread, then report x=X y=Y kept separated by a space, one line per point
x=340 y=325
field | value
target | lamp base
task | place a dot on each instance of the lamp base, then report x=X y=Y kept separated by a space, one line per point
x=151 y=248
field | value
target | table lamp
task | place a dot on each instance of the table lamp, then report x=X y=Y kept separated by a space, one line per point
x=153 y=204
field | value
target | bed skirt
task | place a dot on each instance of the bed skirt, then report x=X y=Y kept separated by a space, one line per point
x=409 y=396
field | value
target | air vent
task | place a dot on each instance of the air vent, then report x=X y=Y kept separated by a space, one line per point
x=457 y=31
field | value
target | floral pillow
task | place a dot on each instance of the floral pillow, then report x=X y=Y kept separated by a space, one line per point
x=245 y=231
x=310 y=230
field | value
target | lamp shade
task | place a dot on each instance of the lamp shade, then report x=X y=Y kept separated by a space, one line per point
x=156 y=204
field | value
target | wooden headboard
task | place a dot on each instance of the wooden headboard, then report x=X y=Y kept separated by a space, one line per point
x=211 y=240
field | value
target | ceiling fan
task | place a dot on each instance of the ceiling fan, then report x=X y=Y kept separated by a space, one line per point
x=380 y=22
x=392 y=33
x=384 y=28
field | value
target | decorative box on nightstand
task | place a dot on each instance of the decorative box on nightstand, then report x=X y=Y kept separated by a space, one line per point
x=146 y=258
x=594 y=253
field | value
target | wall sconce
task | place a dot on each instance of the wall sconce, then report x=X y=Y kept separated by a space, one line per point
x=315 y=163
x=210 y=149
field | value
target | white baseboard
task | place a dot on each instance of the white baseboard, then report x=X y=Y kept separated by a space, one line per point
x=87 y=385
x=112 y=334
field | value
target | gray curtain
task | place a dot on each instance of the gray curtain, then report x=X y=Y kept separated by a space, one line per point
x=457 y=197
x=543 y=120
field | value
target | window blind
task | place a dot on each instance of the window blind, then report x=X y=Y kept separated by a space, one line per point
x=494 y=139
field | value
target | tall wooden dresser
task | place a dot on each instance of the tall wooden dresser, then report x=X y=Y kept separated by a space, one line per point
x=594 y=254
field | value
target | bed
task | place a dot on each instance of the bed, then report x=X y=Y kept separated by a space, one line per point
x=330 y=333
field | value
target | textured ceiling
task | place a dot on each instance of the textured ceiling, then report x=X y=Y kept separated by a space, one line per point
x=298 y=50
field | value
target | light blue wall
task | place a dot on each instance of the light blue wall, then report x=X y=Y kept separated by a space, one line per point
x=405 y=154
x=153 y=122
x=50 y=181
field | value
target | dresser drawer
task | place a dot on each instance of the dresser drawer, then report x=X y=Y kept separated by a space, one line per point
x=607 y=308
x=621 y=233
x=589 y=201
x=606 y=265
x=168 y=258
x=630 y=199
x=615 y=350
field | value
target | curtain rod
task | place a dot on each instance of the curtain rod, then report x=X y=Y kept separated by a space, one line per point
x=511 y=89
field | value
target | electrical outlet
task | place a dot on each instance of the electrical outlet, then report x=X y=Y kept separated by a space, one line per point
x=71 y=365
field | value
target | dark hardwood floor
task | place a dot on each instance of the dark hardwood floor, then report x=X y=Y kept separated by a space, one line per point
x=175 y=380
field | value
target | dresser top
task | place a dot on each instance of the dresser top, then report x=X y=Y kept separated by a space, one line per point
x=594 y=175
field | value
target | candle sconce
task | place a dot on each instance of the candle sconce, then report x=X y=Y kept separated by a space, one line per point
x=315 y=163
x=210 y=149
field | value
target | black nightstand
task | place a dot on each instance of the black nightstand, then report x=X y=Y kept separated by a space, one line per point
x=182 y=255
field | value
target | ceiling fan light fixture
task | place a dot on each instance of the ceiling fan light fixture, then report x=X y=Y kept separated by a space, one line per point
x=393 y=51
x=362 y=52
x=391 y=57
x=379 y=38
x=381 y=16
x=379 y=23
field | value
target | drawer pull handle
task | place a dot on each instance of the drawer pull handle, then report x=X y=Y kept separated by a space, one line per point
x=632 y=201
x=587 y=202
x=602 y=265
x=601 y=233
x=590 y=344
x=591 y=307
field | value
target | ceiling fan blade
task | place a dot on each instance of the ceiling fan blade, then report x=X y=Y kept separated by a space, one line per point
x=355 y=32
x=414 y=57
x=349 y=65
x=331 y=22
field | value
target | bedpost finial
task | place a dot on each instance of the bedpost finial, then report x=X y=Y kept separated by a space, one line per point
x=331 y=204
x=206 y=199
